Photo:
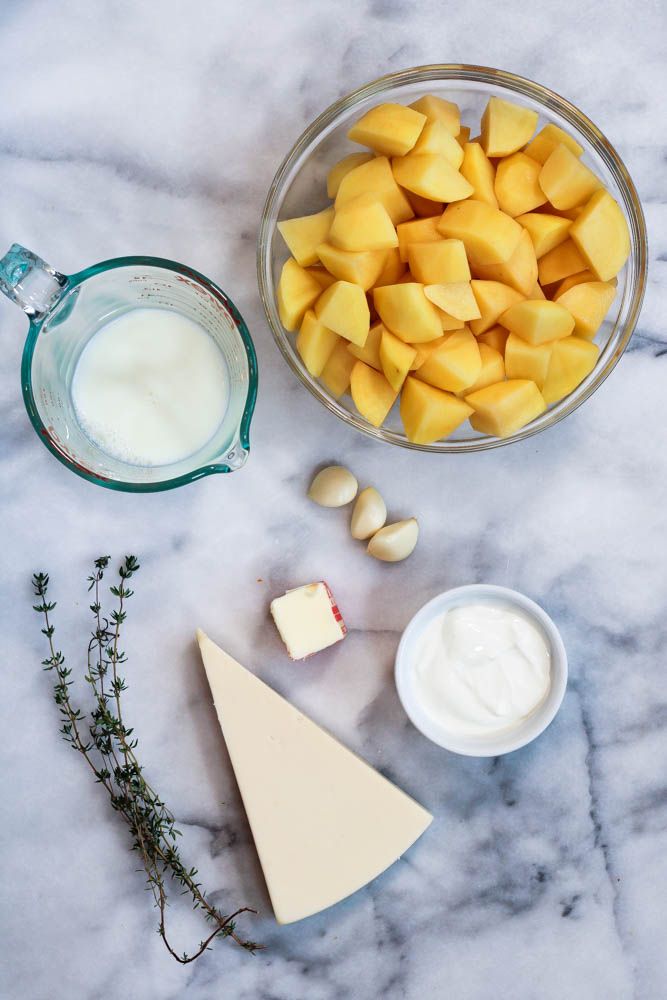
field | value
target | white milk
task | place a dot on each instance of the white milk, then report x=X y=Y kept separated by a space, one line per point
x=151 y=387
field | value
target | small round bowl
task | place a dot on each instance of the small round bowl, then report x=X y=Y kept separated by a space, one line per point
x=513 y=737
x=299 y=188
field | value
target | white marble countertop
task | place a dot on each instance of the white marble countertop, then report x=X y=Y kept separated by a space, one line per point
x=156 y=129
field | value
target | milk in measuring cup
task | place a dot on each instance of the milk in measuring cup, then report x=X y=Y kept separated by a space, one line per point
x=151 y=387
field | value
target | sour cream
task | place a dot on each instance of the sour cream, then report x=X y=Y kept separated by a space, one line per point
x=481 y=668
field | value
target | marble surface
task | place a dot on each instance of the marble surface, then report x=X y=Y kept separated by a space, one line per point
x=145 y=128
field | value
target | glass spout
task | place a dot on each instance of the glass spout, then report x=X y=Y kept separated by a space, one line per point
x=30 y=282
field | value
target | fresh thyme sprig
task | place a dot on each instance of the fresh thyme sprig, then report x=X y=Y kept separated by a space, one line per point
x=108 y=747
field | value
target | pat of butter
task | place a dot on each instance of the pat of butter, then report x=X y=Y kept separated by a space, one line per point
x=308 y=620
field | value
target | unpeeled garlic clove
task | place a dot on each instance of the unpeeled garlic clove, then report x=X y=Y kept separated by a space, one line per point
x=333 y=487
x=395 y=542
x=369 y=514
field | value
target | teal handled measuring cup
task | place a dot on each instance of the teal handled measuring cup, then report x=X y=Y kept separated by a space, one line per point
x=65 y=311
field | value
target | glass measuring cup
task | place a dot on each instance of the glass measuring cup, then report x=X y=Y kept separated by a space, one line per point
x=66 y=310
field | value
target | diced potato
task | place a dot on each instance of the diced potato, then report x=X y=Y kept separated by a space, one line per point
x=342 y=168
x=566 y=213
x=371 y=393
x=516 y=186
x=496 y=337
x=574 y=279
x=506 y=127
x=315 y=343
x=437 y=109
x=560 y=262
x=493 y=299
x=489 y=235
x=464 y=136
x=417 y=231
x=321 y=275
x=546 y=231
x=454 y=365
x=405 y=311
x=424 y=351
x=601 y=234
x=344 y=309
x=436 y=138
x=492 y=370
x=429 y=414
x=439 y=263
x=480 y=173
x=370 y=352
x=536 y=292
x=375 y=177
x=396 y=357
x=455 y=298
x=565 y=180
x=362 y=223
x=424 y=207
x=393 y=269
x=546 y=141
x=519 y=272
x=360 y=267
x=449 y=323
x=431 y=176
x=524 y=360
x=297 y=291
x=389 y=129
x=336 y=372
x=304 y=235
x=588 y=303
x=538 y=321
x=505 y=407
x=572 y=359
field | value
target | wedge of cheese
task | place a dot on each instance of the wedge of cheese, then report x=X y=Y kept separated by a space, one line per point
x=324 y=822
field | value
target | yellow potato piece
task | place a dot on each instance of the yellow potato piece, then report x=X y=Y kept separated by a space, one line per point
x=524 y=360
x=360 y=267
x=536 y=292
x=431 y=176
x=315 y=343
x=480 y=173
x=389 y=129
x=559 y=263
x=429 y=414
x=575 y=279
x=538 y=321
x=424 y=351
x=437 y=109
x=455 y=298
x=405 y=311
x=565 y=180
x=297 y=291
x=546 y=141
x=344 y=309
x=493 y=298
x=454 y=365
x=370 y=352
x=588 y=302
x=516 y=185
x=371 y=393
x=393 y=269
x=506 y=127
x=396 y=357
x=336 y=372
x=572 y=359
x=321 y=275
x=496 y=337
x=342 y=168
x=464 y=136
x=546 y=231
x=492 y=370
x=417 y=231
x=505 y=407
x=601 y=234
x=436 y=138
x=362 y=223
x=519 y=272
x=439 y=263
x=375 y=177
x=304 y=235
x=449 y=323
x=489 y=235
x=424 y=207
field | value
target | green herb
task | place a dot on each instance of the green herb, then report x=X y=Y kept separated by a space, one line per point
x=108 y=746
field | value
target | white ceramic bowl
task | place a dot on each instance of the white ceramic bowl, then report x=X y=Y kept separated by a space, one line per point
x=508 y=739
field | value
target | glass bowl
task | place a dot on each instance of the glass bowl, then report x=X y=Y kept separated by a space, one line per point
x=299 y=188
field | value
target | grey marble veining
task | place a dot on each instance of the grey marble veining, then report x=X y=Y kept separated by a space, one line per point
x=145 y=128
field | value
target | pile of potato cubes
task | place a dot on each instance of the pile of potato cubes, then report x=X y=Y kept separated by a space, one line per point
x=469 y=276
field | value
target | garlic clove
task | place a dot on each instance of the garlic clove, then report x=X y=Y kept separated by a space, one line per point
x=395 y=541
x=369 y=514
x=333 y=487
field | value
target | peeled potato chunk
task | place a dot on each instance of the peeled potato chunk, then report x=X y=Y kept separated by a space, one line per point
x=315 y=343
x=405 y=311
x=344 y=309
x=417 y=231
x=371 y=393
x=601 y=234
x=362 y=223
x=559 y=263
x=503 y=408
x=455 y=365
x=516 y=186
x=375 y=177
x=519 y=272
x=480 y=173
x=492 y=370
x=396 y=357
x=506 y=127
x=454 y=298
x=424 y=351
x=342 y=168
x=527 y=361
x=431 y=176
x=437 y=109
x=436 y=138
x=565 y=180
x=575 y=279
x=572 y=359
x=361 y=267
x=439 y=263
x=493 y=298
x=546 y=231
x=538 y=321
x=429 y=414
x=304 y=235
x=588 y=302
x=546 y=141
x=489 y=235
x=496 y=337
x=389 y=129
x=336 y=372
x=393 y=269
x=321 y=275
x=424 y=207
x=370 y=352
x=449 y=323
x=297 y=291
